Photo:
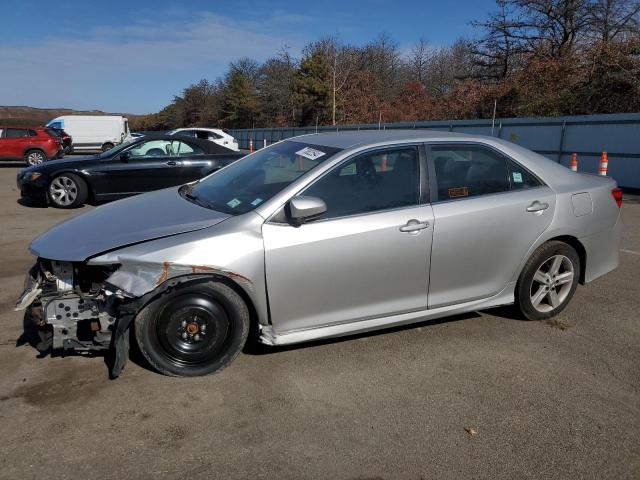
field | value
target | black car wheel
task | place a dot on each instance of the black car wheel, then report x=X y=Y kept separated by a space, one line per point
x=34 y=157
x=67 y=191
x=548 y=280
x=107 y=146
x=197 y=329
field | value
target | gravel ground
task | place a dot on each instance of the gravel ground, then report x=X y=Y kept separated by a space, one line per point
x=541 y=400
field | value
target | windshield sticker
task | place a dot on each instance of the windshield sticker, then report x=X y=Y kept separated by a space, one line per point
x=517 y=177
x=310 y=153
x=234 y=203
x=256 y=202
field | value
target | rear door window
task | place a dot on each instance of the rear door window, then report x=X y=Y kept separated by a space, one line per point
x=182 y=149
x=469 y=171
x=17 y=132
x=520 y=177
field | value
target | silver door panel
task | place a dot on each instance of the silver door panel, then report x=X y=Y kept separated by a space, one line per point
x=342 y=270
x=479 y=242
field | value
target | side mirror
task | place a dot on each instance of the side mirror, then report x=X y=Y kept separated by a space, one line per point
x=302 y=209
x=125 y=156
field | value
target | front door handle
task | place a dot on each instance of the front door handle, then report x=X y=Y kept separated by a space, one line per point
x=537 y=207
x=172 y=163
x=413 y=226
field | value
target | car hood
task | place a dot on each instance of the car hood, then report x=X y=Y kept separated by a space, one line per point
x=133 y=220
x=51 y=165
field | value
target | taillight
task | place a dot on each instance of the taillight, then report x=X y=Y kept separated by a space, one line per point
x=616 y=193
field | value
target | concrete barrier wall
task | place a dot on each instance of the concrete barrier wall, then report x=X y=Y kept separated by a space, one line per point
x=555 y=137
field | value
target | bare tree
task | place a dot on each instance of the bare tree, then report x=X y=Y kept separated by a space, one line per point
x=611 y=20
x=446 y=66
x=418 y=60
x=342 y=61
x=497 y=53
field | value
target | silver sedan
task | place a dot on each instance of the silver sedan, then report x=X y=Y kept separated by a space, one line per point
x=320 y=236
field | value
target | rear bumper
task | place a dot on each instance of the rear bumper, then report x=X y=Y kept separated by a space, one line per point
x=603 y=251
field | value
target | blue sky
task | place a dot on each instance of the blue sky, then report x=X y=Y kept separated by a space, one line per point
x=133 y=56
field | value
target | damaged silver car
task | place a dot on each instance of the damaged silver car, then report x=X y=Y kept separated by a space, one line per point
x=321 y=236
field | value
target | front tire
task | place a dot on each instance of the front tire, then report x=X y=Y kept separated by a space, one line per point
x=35 y=157
x=107 y=146
x=196 y=329
x=67 y=191
x=548 y=281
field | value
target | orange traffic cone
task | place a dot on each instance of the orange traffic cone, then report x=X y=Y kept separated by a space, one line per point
x=604 y=164
x=574 y=162
x=383 y=163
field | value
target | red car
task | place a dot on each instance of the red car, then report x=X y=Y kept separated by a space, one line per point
x=34 y=145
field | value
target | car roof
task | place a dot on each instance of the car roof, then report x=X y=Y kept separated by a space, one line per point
x=356 y=138
x=25 y=127
x=208 y=129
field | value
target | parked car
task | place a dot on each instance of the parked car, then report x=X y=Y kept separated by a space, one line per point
x=215 y=135
x=94 y=132
x=145 y=164
x=34 y=145
x=321 y=236
x=67 y=140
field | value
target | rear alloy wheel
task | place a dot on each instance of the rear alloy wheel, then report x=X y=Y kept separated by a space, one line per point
x=548 y=281
x=34 y=157
x=67 y=191
x=107 y=146
x=197 y=329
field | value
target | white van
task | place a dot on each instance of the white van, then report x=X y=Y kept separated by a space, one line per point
x=94 y=132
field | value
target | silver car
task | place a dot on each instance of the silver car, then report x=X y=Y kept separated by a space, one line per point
x=321 y=236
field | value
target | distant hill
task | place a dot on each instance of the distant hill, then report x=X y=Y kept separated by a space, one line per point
x=32 y=116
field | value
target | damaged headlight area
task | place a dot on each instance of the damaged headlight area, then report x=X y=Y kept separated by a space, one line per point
x=71 y=304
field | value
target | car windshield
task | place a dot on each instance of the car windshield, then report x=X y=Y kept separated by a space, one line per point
x=253 y=180
x=116 y=149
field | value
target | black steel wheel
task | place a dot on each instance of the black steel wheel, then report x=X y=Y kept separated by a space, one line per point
x=197 y=329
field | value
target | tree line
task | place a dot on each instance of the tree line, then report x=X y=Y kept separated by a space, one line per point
x=528 y=58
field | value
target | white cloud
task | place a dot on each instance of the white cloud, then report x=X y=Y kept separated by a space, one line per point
x=66 y=71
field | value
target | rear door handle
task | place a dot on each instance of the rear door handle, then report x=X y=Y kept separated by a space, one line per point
x=537 y=207
x=413 y=226
x=172 y=163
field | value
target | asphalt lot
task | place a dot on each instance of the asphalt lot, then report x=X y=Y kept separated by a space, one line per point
x=546 y=400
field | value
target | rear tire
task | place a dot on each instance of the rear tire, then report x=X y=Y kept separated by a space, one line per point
x=548 y=280
x=107 y=146
x=67 y=191
x=196 y=329
x=35 y=157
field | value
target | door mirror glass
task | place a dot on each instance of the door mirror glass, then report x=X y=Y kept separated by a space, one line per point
x=303 y=209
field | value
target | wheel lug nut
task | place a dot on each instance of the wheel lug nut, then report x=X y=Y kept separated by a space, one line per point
x=184 y=323
x=196 y=337
x=203 y=328
x=184 y=335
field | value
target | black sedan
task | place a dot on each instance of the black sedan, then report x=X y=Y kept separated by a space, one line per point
x=144 y=164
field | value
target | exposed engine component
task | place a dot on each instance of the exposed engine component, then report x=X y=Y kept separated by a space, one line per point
x=80 y=315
